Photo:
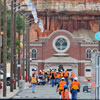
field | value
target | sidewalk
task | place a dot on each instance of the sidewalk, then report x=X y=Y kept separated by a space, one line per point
x=8 y=93
x=11 y=94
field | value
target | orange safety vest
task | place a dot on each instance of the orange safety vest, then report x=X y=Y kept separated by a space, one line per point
x=72 y=75
x=65 y=94
x=42 y=73
x=57 y=76
x=65 y=74
x=75 y=85
x=62 y=74
x=33 y=80
x=61 y=84
x=51 y=75
x=48 y=74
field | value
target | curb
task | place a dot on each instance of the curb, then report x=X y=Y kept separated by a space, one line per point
x=20 y=90
x=15 y=94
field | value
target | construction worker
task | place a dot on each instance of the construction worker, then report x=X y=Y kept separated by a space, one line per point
x=66 y=75
x=48 y=75
x=72 y=76
x=43 y=72
x=34 y=71
x=75 y=87
x=57 y=77
x=61 y=74
x=65 y=94
x=40 y=72
x=52 y=76
x=55 y=74
x=61 y=84
x=33 y=82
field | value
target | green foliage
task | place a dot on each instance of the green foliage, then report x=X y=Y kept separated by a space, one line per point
x=20 y=27
x=20 y=24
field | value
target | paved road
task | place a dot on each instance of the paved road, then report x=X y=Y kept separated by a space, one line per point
x=46 y=91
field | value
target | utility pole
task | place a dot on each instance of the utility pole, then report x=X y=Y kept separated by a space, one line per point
x=4 y=50
x=27 y=47
x=18 y=56
x=18 y=59
x=23 y=54
x=12 y=46
x=28 y=52
x=0 y=35
x=15 y=45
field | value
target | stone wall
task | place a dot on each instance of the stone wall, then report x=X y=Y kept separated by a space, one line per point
x=76 y=24
x=67 y=5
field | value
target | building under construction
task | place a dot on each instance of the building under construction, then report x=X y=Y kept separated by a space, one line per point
x=68 y=37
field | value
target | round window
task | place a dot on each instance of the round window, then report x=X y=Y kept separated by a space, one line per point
x=61 y=44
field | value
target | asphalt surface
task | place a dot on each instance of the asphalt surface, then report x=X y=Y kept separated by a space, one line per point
x=46 y=91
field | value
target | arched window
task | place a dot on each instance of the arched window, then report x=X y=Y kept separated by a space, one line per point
x=88 y=53
x=95 y=50
x=34 y=53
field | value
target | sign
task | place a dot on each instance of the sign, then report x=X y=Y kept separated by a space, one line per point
x=0 y=41
x=97 y=36
x=18 y=65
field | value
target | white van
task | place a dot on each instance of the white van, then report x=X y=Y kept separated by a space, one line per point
x=7 y=75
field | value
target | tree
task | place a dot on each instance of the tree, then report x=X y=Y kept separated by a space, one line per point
x=20 y=24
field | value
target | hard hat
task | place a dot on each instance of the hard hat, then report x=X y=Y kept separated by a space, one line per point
x=62 y=78
x=65 y=86
x=40 y=70
x=34 y=68
x=76 y=78
x=66 y=70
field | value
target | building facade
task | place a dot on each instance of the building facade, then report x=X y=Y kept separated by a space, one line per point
x=62 y=49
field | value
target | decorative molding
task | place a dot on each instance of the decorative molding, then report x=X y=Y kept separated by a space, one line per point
x=58 y=31
x=88 y=44
x=35 y=44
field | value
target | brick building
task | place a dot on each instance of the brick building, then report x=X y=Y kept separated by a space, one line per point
x=62 y=48
x=68 y=37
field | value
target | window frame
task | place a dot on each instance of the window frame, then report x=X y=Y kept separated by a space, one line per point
x=88 y=54
x=94 y=49
x=32 y=53
x=54 y=44
x=88 y=70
